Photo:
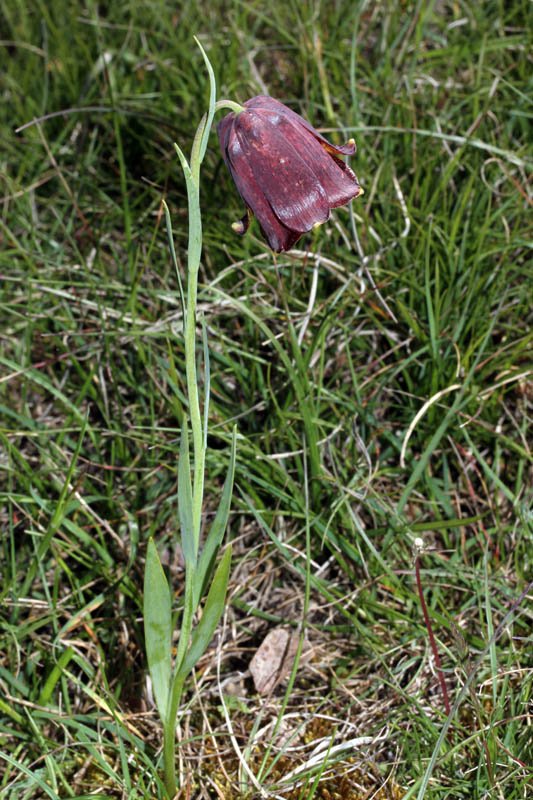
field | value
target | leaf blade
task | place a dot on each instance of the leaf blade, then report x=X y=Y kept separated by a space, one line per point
x=212 y=612
x=218 y=527
x=212 y=100
x=185 y=500
x=157 y=614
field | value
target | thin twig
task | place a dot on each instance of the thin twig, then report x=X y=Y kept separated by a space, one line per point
x=432 y=640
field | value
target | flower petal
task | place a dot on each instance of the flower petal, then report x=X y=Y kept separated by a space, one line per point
x=263 y=101
x=223 y=130
x=279 y=237
x=334 y=176
x=287 y=173
x=285 y=177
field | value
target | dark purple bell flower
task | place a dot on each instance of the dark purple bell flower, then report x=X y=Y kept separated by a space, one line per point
x=288 y=175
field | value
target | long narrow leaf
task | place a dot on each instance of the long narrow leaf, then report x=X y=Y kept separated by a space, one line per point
x=212 y=100
x=157 y=628
x=170 y=237
x=185 y=499
x=218 y=527
x=207 y=381
x=195 y=150
x=213 y=609
x=195 y=219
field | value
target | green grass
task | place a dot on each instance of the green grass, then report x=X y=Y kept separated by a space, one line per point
x=323 y=359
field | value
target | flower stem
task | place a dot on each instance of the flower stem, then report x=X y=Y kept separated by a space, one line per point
x=235 y=107
x=169 y=735
x=191 y=172
x=192 y=177
x=190 y=369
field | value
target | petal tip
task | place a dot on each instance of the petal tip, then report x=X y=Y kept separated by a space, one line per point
x=350 y=147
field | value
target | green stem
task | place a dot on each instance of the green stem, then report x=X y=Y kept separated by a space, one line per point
x=192 y=176
x=169 y=735
x=193 y=265
x=189 y=331
x=195 y=247
x=235 y=107
x=176 y=689
x=192 y=173
x=169 y=739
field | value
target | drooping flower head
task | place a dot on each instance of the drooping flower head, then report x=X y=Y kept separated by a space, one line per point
x=288 y=174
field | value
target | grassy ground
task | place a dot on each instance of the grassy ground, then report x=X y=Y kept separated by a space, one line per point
x=378 y=376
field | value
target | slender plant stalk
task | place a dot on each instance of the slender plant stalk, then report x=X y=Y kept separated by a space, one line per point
x=169 y=741
x=195 y=248
x=432 y=640
x=189 y=325
x=192 y=175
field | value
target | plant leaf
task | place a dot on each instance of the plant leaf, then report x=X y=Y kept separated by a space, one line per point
x=207 y=381
x=217 y=530
x=195 y=150
x=194 y=248
x=185 y=499
x=157 y=628
x=214 y=606
x=212 y=100
x=170 y=237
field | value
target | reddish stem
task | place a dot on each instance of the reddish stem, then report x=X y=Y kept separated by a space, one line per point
x=432 y=640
